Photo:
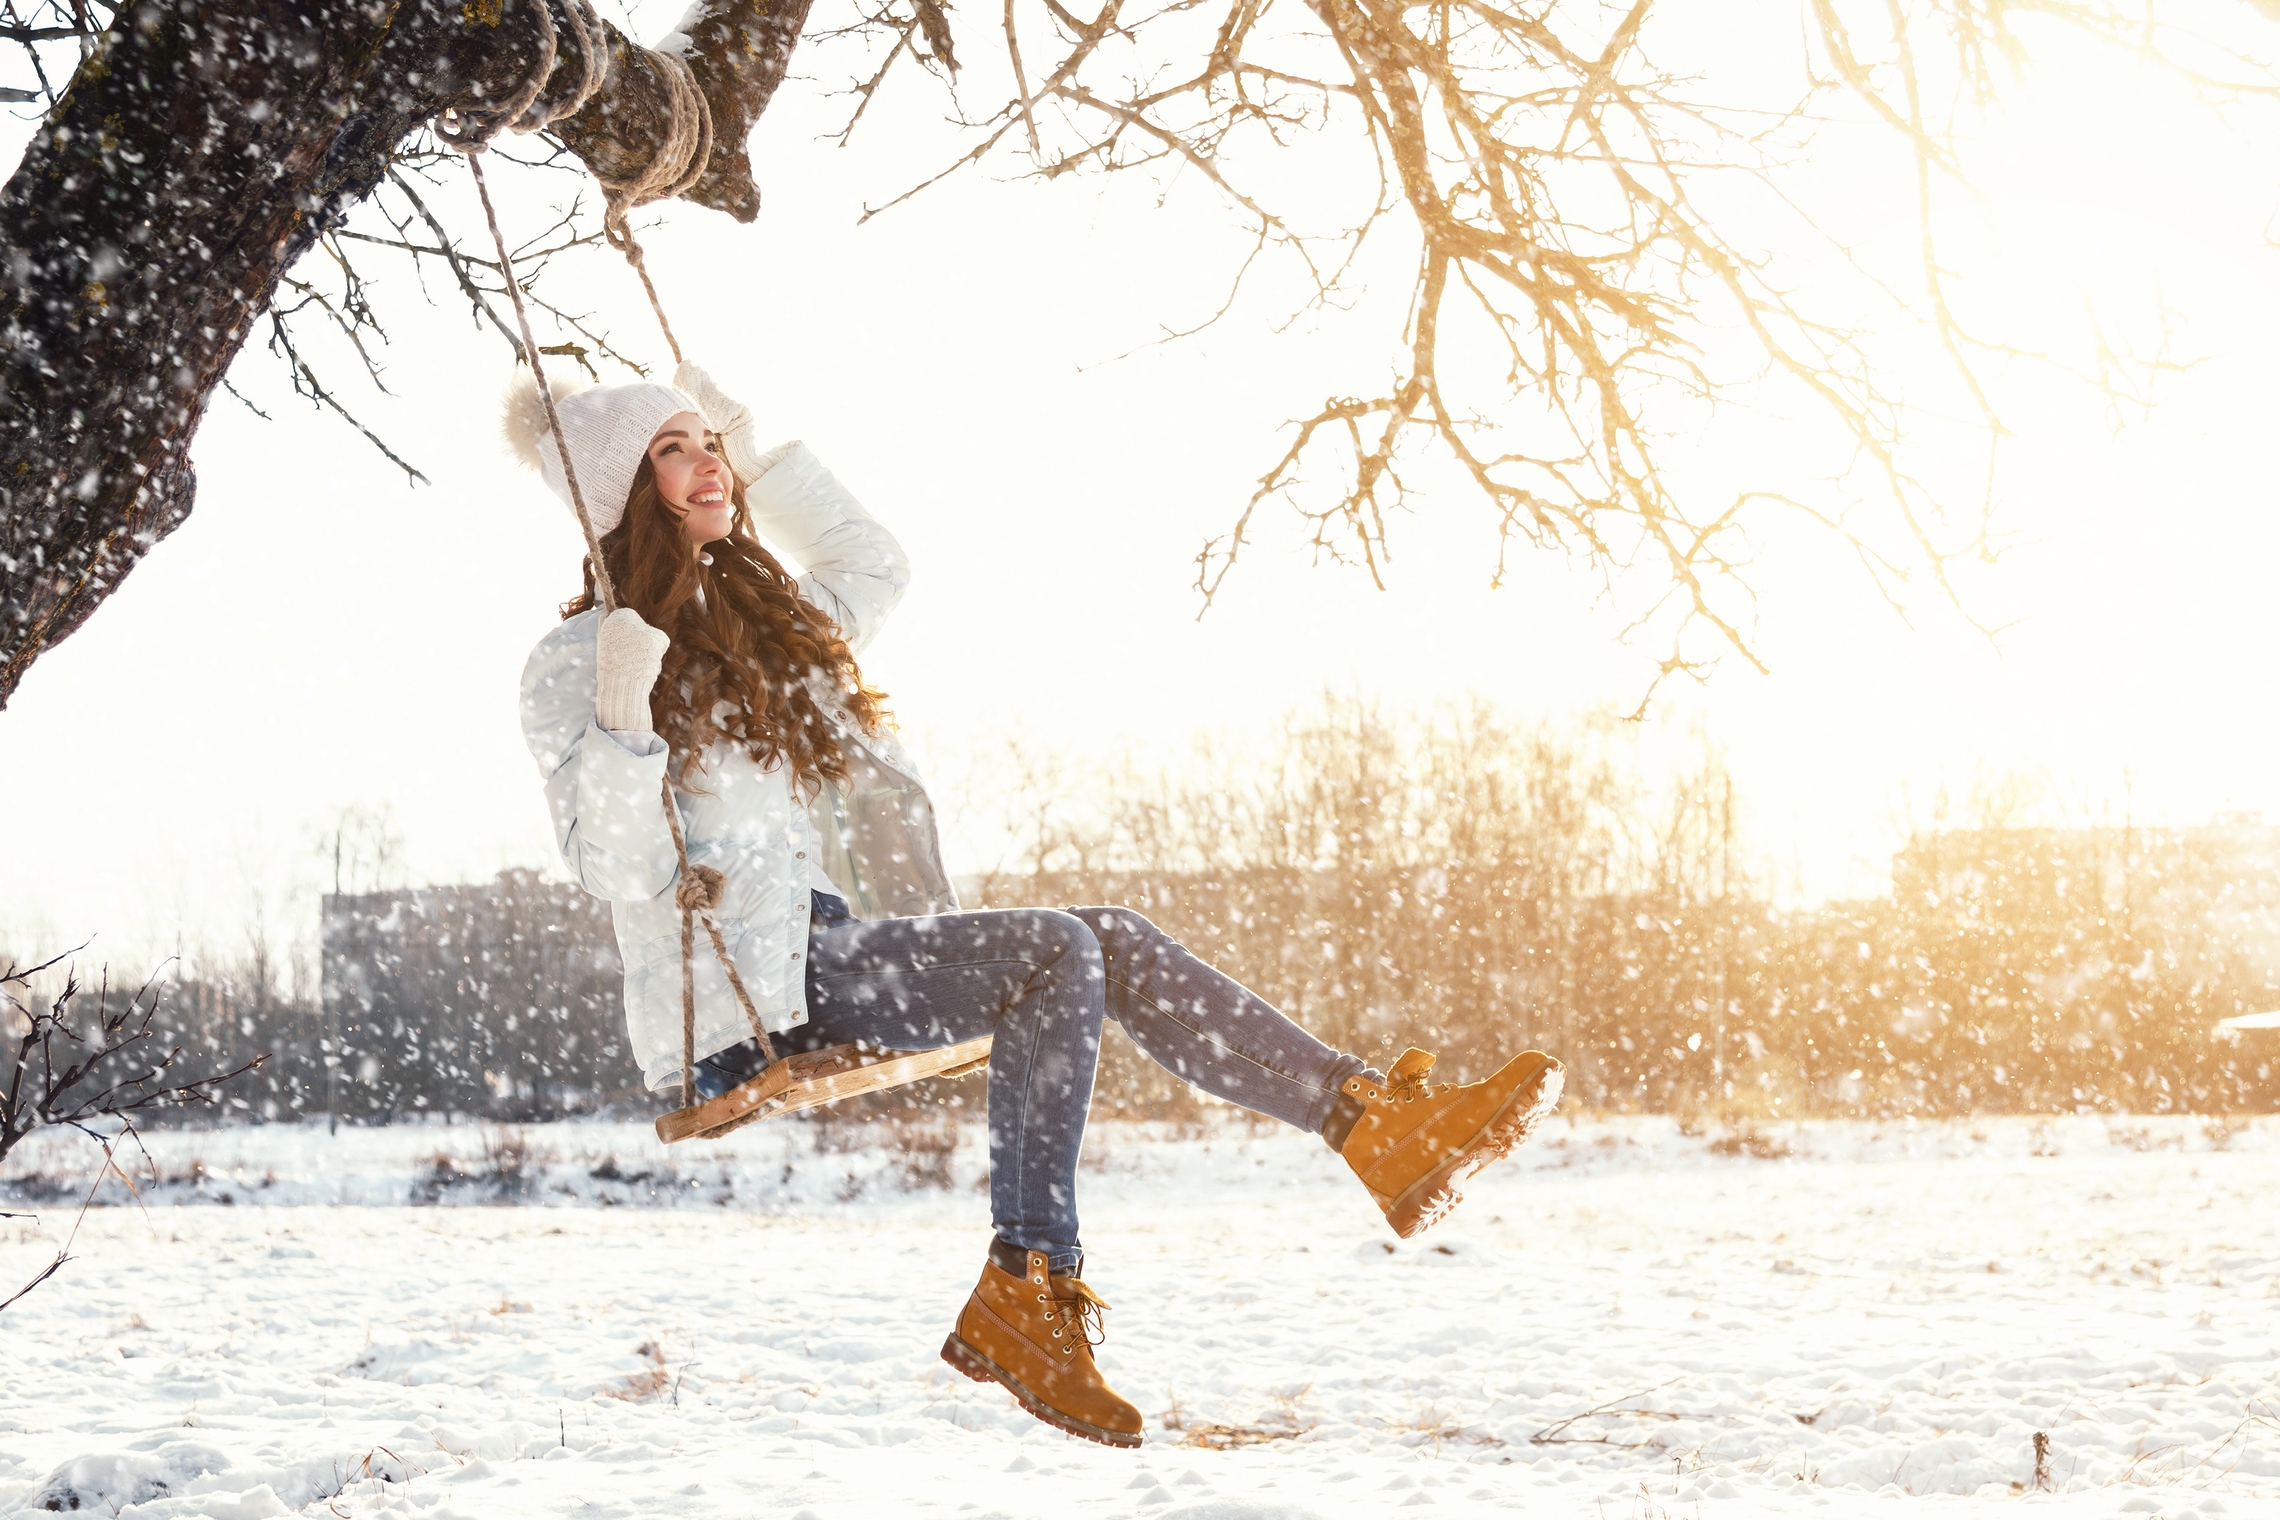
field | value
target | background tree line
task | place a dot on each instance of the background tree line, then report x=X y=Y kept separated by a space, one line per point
x=1478 y=885
x=1457 y=880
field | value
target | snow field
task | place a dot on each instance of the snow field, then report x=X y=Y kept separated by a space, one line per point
x=1624 y=1321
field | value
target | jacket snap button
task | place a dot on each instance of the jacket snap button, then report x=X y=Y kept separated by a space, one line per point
x=795 y=955
x=799 y=854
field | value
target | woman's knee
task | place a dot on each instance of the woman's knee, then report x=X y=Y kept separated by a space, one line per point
x=1119 y=930
x=1057 y=934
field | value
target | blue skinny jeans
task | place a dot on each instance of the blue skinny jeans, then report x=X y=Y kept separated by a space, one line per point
x=1041 y=982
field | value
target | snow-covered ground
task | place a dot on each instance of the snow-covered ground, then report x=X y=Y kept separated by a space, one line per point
x=1624 y=1321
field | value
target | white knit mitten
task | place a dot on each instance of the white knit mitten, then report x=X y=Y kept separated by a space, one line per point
x=730 y=418
x=628 y=653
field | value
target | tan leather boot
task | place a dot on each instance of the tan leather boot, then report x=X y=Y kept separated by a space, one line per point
x=1036 y=1334
x=1414 y=1142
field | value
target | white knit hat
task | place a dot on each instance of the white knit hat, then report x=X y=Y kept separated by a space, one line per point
x=608 y=428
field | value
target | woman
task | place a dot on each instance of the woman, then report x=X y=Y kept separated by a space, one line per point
x=739 y=682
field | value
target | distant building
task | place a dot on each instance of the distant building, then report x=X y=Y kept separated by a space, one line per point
x=502 y=998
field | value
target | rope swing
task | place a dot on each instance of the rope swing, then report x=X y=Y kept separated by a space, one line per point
x=787 y=1084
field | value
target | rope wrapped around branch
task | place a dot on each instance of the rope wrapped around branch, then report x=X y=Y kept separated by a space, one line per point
x=536 y=101
x=688 y=145
x=540 y=99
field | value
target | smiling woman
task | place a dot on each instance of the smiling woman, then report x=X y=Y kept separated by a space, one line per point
x=745 y=648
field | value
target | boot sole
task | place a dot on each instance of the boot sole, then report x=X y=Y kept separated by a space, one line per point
x=1428 y=1200
x=982 y=1370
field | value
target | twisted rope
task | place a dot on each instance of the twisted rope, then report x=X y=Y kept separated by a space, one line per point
x=688 y=143
x=602 y=580
x=697 y=894
x=538 y=101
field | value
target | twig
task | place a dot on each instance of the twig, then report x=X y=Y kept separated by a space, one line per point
x=306 y=383
x=248 y=405
x=1550 y=1434
x=64 y=1254
x=61 y=1077
x=457 y=262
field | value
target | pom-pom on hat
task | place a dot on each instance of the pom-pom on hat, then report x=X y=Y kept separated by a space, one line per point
x=607 y=428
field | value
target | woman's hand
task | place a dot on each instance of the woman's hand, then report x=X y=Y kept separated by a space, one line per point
x=628 y=653
x=730 y=418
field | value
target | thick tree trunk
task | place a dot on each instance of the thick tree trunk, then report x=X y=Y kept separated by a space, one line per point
x=198 y=153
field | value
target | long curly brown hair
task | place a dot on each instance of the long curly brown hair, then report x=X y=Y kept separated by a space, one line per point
x=752 y=661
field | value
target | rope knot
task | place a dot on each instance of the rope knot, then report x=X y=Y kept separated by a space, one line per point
x=699 y=890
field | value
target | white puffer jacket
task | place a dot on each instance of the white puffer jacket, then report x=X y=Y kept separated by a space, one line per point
x=875 y=836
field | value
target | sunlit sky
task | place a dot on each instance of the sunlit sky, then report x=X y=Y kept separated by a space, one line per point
x=321 y=635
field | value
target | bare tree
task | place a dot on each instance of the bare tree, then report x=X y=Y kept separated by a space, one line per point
x=1578 y=307
x=94 y=1072
x=1583 y=298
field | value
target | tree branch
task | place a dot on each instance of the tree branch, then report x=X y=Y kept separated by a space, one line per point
x=738 y=50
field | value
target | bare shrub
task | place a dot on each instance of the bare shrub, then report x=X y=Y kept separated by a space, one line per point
x=2138 y=1137
x=82 y=1067
x=919 y=1142
x=651 y=1381
x=840 y=1134
x=511 y=1162
x=638 y=1182
x=511 y=1168
x=1750 y=1141
x=191 y=1173
x=922 y=1152
x=438 y=1175
x=40 y=1187
x=1287 y=1421
x=76 y=1066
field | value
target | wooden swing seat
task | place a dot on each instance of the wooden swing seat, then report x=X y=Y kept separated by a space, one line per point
x=816 y=1077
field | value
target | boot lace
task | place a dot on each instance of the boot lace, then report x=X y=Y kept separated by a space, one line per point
x=1407 y=1079
x=1081 y=1307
